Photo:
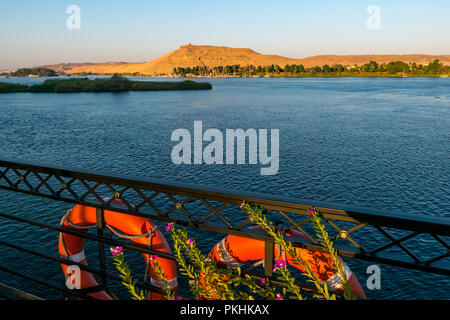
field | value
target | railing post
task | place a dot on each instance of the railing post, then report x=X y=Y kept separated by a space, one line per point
x=101 y=247
x=268 y=257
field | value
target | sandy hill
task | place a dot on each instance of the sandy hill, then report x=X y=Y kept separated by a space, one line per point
x=194 y=55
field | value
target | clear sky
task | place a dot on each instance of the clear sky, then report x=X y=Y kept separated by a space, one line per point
x=35 y=32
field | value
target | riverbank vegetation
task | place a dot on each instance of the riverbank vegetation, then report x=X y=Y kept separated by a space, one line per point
x=114 y=84
x=371 y=69
x=36 y=72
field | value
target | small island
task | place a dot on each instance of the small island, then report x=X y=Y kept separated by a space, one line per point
x=114 y=84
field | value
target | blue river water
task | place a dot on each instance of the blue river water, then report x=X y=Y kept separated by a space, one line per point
x=379 y=143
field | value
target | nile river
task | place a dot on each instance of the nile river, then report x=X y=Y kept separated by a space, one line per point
x=379 y=143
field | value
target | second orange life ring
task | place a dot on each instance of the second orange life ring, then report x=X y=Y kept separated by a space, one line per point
x=71 y=247
x=234 y=251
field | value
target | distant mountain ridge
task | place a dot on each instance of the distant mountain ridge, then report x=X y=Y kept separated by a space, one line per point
x=212 y=56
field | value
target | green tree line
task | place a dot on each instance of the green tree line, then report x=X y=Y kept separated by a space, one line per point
x=391 y=68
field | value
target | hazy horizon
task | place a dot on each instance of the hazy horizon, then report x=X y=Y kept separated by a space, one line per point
x=34 y=34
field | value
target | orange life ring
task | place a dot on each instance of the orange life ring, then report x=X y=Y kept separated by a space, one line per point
x=71 y=247
x=234 y=251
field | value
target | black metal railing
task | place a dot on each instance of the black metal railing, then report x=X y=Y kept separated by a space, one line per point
x=371 y=235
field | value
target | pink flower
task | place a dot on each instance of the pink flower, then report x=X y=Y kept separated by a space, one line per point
x=279 y=296
x=154 y=257
x=190 y=242
x=175 y=298
x=116 y=250
x=279 y=264
x=242 y=204
x=169 y=226
x=263 y=281
x=311 y=210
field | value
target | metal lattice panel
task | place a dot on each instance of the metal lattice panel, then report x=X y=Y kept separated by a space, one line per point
x=353 y=231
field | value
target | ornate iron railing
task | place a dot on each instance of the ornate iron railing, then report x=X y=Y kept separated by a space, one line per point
x=371 y=235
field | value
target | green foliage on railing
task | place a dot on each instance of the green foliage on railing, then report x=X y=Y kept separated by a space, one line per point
x=125 y=274
x=370 y=69
x=208 y=280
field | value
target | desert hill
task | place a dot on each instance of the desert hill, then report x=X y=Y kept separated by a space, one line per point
x=211 y=56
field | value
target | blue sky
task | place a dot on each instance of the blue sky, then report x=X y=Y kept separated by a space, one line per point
x=35 y=33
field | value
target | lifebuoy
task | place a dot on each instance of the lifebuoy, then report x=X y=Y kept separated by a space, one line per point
x=137 y=229
x=235 y=251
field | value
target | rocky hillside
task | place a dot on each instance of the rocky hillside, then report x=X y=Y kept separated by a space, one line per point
x=193 y=55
